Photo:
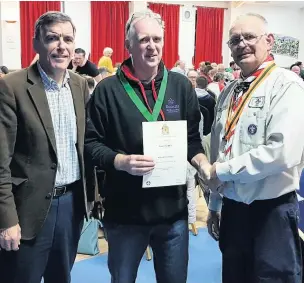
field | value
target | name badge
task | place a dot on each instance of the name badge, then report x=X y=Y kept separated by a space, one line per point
x=257 y=102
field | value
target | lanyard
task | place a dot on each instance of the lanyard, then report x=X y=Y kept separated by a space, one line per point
x=233 y=119
x=139 y=104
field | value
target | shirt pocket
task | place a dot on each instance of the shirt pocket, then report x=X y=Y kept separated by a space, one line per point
x=253 y=127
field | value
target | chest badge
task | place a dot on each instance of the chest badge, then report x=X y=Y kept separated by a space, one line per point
x=257 y=102
x=252 y=129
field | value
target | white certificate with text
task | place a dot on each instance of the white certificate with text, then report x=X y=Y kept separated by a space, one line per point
x=166 y=142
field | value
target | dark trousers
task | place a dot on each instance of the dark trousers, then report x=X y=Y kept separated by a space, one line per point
x=260 y=242
x=127 y=244
x=52 y=254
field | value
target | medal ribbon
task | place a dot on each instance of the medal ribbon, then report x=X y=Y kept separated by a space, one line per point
x=233 y=117
x=139 y=104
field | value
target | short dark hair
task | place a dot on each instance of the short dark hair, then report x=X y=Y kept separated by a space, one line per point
x=201 y=82
x=207 y=63
x=298 y=63
x=207 y=69
x=4 y=70
x=80 y=51
x=50 y=18
x=231 y=63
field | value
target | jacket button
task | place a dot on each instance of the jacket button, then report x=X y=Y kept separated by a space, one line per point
x=54 y=166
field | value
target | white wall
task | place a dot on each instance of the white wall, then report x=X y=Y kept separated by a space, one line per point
x=281 y=20
x=10 y=39
x=80 y=12
x=187 y=28
x=186 y=35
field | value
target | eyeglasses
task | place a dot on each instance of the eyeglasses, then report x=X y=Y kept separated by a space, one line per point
x=248 y=39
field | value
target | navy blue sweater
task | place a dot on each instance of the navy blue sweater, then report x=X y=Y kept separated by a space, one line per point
x=114 y=125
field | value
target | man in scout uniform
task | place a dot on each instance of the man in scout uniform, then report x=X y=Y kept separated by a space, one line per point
x=135 y=217
x=257 y=146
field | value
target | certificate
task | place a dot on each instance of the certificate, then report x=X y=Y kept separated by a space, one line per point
x=166 y=142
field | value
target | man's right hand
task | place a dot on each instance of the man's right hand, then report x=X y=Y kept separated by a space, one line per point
x=10 y=238
x=213 y=224
x=137 y=165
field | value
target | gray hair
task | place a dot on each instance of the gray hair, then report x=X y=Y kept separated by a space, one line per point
x=254 y=15
x=107 y=50
x=50 y=18
x=219 y=77
x=192 y=70
x=137 y=16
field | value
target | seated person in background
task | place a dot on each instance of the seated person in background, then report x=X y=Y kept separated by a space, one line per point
x=192 y=75
x=81 y=65
x=201 y=67
x=206 y=73
x=206 y=102
x=214 y=65
x=227 y=75
x=231 y=68
x=105 y=60
x=104 y=72
x=218 y=84
x=179 y=67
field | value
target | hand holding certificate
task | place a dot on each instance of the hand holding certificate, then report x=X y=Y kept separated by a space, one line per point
x=166 y=143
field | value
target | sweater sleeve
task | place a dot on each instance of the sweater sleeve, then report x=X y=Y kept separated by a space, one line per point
x=96 y=128
x=193 y=121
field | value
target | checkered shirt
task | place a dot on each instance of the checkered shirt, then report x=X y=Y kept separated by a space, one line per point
x=62 y=110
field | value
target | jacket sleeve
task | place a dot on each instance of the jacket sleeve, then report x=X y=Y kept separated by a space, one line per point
x=284 y=141
x=97 y=125
x=8 y=132
x=193 y=121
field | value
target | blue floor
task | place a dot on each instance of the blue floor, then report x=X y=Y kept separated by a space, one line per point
x=204 y=264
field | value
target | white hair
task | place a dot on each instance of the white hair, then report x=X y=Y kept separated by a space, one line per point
x=137 y=16
x=107 y=50
x=257 y=16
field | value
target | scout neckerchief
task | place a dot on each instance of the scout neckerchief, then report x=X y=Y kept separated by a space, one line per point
x=238 y=103
x=139 y=104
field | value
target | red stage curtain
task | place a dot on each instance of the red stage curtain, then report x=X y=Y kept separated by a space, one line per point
x=30 y=11
x=108 y=20
x=170 y=15
x=209 y=35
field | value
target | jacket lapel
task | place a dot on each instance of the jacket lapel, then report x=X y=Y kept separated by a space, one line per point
x=38 y=95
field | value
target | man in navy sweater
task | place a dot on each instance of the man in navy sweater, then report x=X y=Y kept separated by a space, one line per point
x=136 y=217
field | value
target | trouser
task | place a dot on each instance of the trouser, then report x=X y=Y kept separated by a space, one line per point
x=52 y=253
x=260 y=242
x=169 y=243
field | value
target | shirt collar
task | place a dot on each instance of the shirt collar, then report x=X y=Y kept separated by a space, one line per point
x=48 y=82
